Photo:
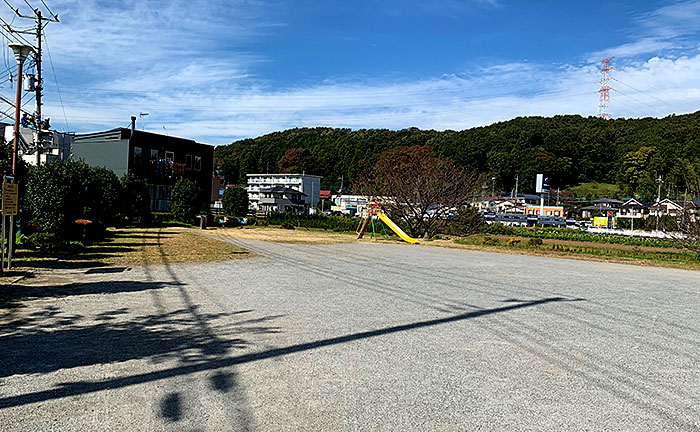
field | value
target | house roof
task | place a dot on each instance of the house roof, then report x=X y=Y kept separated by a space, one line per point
x=598 y=207
x=281 y=190
x=607 y=201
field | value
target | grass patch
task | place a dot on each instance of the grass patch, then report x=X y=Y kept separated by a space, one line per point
x=654 y=256
x=138 y=246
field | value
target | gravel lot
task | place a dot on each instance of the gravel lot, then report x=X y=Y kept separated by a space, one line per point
x=357 y=336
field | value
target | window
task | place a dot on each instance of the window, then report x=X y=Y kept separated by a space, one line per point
x=154 y=154
x=137 y=155
x=170 y=155
x=197 y=163
x=188 y=161
x=556 y=213
x=549 y=212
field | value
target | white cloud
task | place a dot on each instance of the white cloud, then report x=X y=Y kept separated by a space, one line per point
x=115 y=61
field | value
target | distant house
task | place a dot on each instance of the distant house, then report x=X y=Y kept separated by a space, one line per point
x=547 y=210
x=158 y=159
x=606 y=206
x=633 y=209
x=668 y=207
x=281 y=199
x=308 y=185
x=55 y=145
x=352 y=205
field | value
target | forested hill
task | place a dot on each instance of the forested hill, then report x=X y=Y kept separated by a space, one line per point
x=572 y=149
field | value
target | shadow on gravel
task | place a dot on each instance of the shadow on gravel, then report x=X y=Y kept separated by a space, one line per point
x=12 y=293
x=146 y=337
x=49 y=340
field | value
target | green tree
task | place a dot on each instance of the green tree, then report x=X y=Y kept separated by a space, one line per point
x=135 y=200
x=104 y=193
x=638 y=171
x=235 y=201
x=467 y=221
x=186 y=201
x=58 y=193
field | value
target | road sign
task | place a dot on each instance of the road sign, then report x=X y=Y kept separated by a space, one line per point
x=9 y=199
x=542 y=183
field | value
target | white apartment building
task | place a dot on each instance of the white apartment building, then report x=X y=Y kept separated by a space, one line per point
x=310 y=185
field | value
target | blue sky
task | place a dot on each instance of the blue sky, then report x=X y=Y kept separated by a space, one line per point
x=220 y=71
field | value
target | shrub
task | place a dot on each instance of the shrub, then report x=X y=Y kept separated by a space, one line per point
x=467 y=221
x=331 y=223
x=235 y=201
x=135 y=200
x=488 y=240
x=44 y=241
x=500 y=229
x=160 y=218
x=513 y=241
x=185 y=200
x=58 y=193
x=534 y=242
x=287 y=225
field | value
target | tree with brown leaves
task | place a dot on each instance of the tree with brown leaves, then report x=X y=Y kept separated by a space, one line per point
x=419 y=190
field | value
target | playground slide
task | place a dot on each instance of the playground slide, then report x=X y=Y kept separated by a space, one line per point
x=390 y=223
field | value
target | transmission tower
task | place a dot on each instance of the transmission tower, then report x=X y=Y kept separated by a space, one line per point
x=604 y=103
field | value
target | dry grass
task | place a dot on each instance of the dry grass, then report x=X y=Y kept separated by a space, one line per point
x=160 y=245
x=279 y=235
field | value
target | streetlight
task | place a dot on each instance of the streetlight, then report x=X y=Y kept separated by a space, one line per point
x=493 y=184
x=21 y=53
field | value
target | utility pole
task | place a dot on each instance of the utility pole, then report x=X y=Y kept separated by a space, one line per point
x=40 y=23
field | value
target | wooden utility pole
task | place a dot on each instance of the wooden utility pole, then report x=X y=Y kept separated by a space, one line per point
x=37 y=31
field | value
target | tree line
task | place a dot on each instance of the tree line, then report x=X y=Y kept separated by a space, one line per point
x=631 y=153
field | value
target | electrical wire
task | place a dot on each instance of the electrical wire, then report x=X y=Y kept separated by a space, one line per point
x=49 y=9
x=644 y=93
x=687 y=104
x=640 y=101
x=30 y=6
x=58 y=89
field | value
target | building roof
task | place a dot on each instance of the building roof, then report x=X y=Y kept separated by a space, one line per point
x=283 y=175
x=607 y=201
x=137 y=136
x=599 y=207
x=281 y=190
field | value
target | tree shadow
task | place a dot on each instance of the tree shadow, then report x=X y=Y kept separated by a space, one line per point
x=147 y=337
x=49 y=340
x=12 y=293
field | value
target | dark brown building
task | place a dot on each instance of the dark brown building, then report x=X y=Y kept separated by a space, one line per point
x=158 y=159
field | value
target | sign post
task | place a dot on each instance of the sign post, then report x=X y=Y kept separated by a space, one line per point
x=542 y=185
x=10 y=199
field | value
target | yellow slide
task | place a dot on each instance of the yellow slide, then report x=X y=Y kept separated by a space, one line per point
x=390 y=223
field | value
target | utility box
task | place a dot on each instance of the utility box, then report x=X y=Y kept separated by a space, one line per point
x=29 y=83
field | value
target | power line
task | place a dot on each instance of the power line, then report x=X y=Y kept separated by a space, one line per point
x=58 y=90
x=641 y=102
x=49 y=10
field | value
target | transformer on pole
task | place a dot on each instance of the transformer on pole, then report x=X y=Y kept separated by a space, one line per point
x=604 y=103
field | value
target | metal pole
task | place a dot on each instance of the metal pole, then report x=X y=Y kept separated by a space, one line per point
x=18 y=102
x=9 y=241
x=3 y=242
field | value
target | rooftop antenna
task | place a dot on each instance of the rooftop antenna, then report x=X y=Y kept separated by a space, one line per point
x=142 y=115
x=604 y=103
x=166 y=131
